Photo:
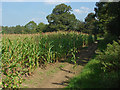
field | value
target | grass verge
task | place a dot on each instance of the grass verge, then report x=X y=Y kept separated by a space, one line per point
x=93 y=76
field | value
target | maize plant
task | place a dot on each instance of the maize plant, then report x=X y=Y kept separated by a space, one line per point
x=22 y=54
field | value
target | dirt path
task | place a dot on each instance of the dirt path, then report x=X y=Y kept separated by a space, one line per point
x=58 y=75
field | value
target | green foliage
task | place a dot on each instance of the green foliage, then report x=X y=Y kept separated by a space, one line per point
x=86 y=77
x=13 y=30
x=74 y=58
x=79 y=26
x=89 y=23
x=90 y=17
x=108 y=38
x=40 y=27
x=91 y=26
x=30 y=27
x=61 y=18
x=108 y=14
x=110 y=57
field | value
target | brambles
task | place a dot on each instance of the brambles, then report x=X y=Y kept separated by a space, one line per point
x=22 y=54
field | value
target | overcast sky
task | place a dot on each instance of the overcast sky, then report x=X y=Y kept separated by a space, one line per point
x=20 y=13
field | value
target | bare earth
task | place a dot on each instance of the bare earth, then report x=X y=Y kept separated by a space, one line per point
x=58 y=75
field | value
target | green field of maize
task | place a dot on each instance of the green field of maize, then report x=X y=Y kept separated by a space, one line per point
x=23 y=53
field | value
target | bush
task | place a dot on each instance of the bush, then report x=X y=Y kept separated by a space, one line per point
x=102 y=45
x=110 y=58
x=109 y=38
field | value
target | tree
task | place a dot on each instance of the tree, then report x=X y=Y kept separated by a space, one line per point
x=61 y=18
x=91 y=24
x=40 y=27
x=4 y=29
x=18 y=29
x=30 y=27
x=78 y=26
x=108 y=15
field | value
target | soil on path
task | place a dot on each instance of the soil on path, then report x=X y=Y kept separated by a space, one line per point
x=58 y=75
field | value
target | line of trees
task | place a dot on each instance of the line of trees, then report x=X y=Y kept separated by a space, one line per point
x=61 y=18
x=29 y=28
x=104 y=20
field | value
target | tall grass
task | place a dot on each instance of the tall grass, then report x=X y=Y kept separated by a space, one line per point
x=22 y=54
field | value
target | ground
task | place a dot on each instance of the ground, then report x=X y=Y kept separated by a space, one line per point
x=57 y=75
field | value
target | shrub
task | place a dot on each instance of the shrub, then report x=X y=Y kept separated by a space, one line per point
x=110 y=58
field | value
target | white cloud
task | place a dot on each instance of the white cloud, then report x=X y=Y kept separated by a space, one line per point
x=82 y=10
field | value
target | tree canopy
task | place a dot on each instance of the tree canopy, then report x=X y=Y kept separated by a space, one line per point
x=30 y=27
x=108 y=15
x=40 y=27
x=89 y=23
x=61 y=18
